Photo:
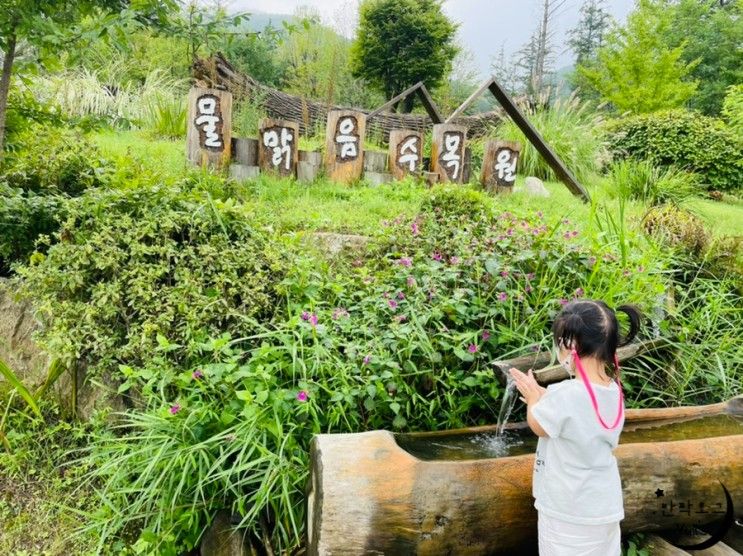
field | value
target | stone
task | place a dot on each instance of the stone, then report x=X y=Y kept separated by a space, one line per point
x=221 y=540
x=375 y=161
x=535 y=186
x=334 y=244
x=242 y=172
x=376 y=179
x=312 y=157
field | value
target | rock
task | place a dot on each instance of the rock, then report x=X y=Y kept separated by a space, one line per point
x=535 y=186
x=221 y=540
x=242 y=172
x=376 y=179
x=17 y=348
x=333 y=244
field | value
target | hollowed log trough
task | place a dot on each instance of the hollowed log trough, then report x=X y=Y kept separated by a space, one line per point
x=431 y=494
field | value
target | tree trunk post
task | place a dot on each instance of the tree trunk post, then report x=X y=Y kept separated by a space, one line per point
x=344 y=144
x=447 y=152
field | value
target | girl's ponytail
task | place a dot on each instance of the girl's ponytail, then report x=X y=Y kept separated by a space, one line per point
x=635 y=320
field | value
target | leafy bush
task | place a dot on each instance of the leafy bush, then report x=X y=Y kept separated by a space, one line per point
x=677 y=227
x=732 y=109
x=569 y=127
x=52 y=160
x=645 y=182
x=129 y=267
x=683 y=139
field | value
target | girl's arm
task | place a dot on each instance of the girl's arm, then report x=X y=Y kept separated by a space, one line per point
x=533 y=423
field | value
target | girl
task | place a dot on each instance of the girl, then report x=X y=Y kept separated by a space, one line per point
x=576 y=483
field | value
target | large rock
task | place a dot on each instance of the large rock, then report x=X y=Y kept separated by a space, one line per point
x=221 y=540
x=333 y=244
x=535 y=186
x=17 y=347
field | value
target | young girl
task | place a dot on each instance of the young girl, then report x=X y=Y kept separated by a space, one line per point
x=576 y=483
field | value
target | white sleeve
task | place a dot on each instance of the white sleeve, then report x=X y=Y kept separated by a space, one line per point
x=551 y=410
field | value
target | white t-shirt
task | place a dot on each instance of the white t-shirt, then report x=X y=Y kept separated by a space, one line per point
x=576 y=477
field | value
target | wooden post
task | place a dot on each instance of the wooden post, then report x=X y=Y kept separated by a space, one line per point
x=344 y=143
x=499 y=166
x=406 y=152
x=447 y=152
x=209 y=132
x=278 y=149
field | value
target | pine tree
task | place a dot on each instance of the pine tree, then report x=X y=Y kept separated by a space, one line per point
x=588 y=36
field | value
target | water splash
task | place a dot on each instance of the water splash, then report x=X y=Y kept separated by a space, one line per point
x=499 y=444
x=507 y=403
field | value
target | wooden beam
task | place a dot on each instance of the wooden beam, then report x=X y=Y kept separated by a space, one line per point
x=394 y=100
x=472 y=98
x=423 y=95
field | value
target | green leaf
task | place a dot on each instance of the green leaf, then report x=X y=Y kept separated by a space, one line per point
x=399 y=422
x=394 y=406
x=463 y=355
x=20 y=388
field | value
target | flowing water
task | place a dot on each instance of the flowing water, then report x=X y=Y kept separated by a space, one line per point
x=500 y=443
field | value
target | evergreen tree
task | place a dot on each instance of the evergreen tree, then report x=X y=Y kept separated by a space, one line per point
x=588 y=36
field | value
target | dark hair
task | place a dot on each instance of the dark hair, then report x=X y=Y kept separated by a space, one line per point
x=594 y=328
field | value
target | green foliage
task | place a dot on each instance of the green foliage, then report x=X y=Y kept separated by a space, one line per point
x=129 y=267
x=642 y=181
x=53 y=160
x=732 y=109
x=635 y=70
x=401 y=42
x=677 y=227
x=711 y=32
x=683 y=139
x=570 y=128
x=256 y=56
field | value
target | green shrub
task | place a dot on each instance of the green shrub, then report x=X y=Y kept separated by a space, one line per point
x=687 y=140
x=643 y=181
x=677 y=227
x=53 y=160
x=732 y=109
x=129 y=267
x=570 y=128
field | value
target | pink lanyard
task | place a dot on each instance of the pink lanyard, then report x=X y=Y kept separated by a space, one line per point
x=593 y=396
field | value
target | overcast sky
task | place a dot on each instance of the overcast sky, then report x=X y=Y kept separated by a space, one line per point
x=485 y=24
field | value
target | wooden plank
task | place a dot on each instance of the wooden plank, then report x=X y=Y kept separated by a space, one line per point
x=209 y=127
x=539 y=143
x=278 y=147
x=499 y=166
x=658 y=546
x=717 y=549
x=423 y=95
x=245 y=151
x=447 y=152
x=394 y=100
x=344 y=144
x=472 y=98
x=430 y=106
x=405 y=153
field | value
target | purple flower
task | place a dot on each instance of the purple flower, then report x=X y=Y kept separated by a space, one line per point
x=540 y=214
x=502 y=296
x=509 y=232
x=574 y=233
x=392 y=303
x=405 y=261
x=504 y=273
x=563 y=301
x=197 y=374
x=530 y=276
x=400 y=295
x=454 y=260
x=579 y=292
x=472 y=348
x=313 y=319
x=367 y=359
x=591 y=261
x=302 y=396
x=339 y=312
x=305 y=315
x=566 y=235
x=175 y=408
x=414 y=228
x=485 y=335
x=411 y=281
x=437 y=256
x=401 y=318
x=528 y=289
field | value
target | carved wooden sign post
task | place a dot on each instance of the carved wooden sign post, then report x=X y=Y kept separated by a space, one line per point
x=406 y=152
x=278 y=149
x=447 y=152
x=499 y=166
x=209 y=132
x=344 y=143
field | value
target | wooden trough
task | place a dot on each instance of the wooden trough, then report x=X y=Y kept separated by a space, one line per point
x=441 y=492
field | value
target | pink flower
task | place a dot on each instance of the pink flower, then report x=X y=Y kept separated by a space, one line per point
x=313 y=319
x=625 y=273
x=305 y=315
x=472 y=348
x=574 y=233
x=401 y=318
x=339 y=312
x=392 y=303
x=411 y=281
x=454 y=260
x=197 y=374
x=485 y=335
x=437 y=256
x=302 y=396
x=563 y=301
x=502 y=296
x=528 y=289
x=405 y=261
x=566 y=235
x=414 y=228
x=540 y=214
x=591 y=261
x=367 y=359
x=400 y=295
x=579 y=292
x=504 y=273
x=509 y=232
x=175 y=408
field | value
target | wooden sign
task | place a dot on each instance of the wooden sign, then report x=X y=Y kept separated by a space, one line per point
x=344 y=143
x=406 y=152
x=278 y=149
x=209 y=132
x=447 y=152
x=499 y=165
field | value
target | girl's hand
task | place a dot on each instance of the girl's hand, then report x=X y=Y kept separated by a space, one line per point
x=527 y=385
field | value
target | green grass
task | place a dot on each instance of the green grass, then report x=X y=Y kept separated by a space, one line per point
x=721 y=217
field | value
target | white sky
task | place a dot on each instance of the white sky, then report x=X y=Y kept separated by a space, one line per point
x=486 y=25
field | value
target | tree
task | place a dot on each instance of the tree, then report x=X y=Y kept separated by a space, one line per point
x=635 y=70
x=401 y=42
x=588 y=36
x=53 y=26
x=713 y=33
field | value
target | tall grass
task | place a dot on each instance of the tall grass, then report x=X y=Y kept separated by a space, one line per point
x=645 y=182
x=569 y=128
